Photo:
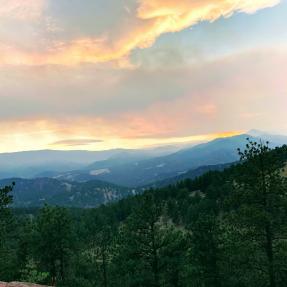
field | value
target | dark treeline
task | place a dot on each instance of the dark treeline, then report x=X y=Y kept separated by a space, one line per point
x=222 y=229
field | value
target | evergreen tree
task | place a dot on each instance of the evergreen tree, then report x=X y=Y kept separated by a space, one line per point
x=148 y=247
x=258 y=216
x=100 y=236
x=54 y=241
x=5 y=199
x=8 y=263
x=205 y=257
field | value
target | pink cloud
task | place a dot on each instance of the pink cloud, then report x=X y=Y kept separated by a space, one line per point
x=153 y=18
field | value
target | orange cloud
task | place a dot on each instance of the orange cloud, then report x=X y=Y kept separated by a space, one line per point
x=186 y=12
x=154 y=18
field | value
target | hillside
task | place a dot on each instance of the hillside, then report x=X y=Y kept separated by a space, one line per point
x=191 y=174
x=37 y=192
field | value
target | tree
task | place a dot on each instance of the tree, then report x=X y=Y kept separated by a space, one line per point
x=31 y=274
x=7 y=250
x=54 y=241
x=5 y=199
x=100 y=234
x=258 y=214
x=205 y=254
x=148 y=244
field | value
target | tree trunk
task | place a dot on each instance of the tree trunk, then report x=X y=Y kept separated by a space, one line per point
x=268 y=230
x=155 y=258
x=62 y=275
x=104 y=267
x=53 y=274
x=270 y=256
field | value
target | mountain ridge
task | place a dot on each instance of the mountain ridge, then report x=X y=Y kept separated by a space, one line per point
x=148 y=171
x=125 y=173
x=40 y=191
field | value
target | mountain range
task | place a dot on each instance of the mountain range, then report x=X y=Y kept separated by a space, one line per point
x=29 y=164
x=87 y=179
x=137 y=173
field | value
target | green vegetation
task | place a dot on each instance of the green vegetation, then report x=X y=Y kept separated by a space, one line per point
x=223 y=229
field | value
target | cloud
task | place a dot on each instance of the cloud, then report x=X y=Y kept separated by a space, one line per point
x=38 y=134
x=195 y=82
x=151 y=19
x=24 y=10
x=75 y=142
x=181 y=14
x=235 y=92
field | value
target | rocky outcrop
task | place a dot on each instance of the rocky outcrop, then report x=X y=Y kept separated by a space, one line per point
x=19 y=284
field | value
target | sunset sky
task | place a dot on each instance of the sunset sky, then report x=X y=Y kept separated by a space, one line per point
x=100 y=74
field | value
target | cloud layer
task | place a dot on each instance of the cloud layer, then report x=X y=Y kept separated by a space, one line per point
x=139 y=29
x=24 y=10
x=107 y=74
x=233 y=93
x=75 y=142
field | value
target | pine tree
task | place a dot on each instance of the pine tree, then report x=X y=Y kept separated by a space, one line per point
x=7 y=251
x=205 y=254
x=100 y=236
x=54 y=241
x=148 y=246
x=5 y=199
x=258 y=215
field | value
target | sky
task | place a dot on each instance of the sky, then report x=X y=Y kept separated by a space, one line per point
x=101 y=74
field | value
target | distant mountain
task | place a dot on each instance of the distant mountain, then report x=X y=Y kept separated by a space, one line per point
x=278 y=140
x=132 y=168
x=48 y=163
x=37 y=192
x=139 y=173
x=32 y=163
x=145 y=172
x=129 y=156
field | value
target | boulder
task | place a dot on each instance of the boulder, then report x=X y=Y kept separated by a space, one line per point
x=19 y=284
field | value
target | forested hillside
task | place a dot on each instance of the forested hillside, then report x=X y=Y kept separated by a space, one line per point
x=37 y=192
x=224 y=228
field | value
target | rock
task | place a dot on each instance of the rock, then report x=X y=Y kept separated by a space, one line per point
x=19 y=284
